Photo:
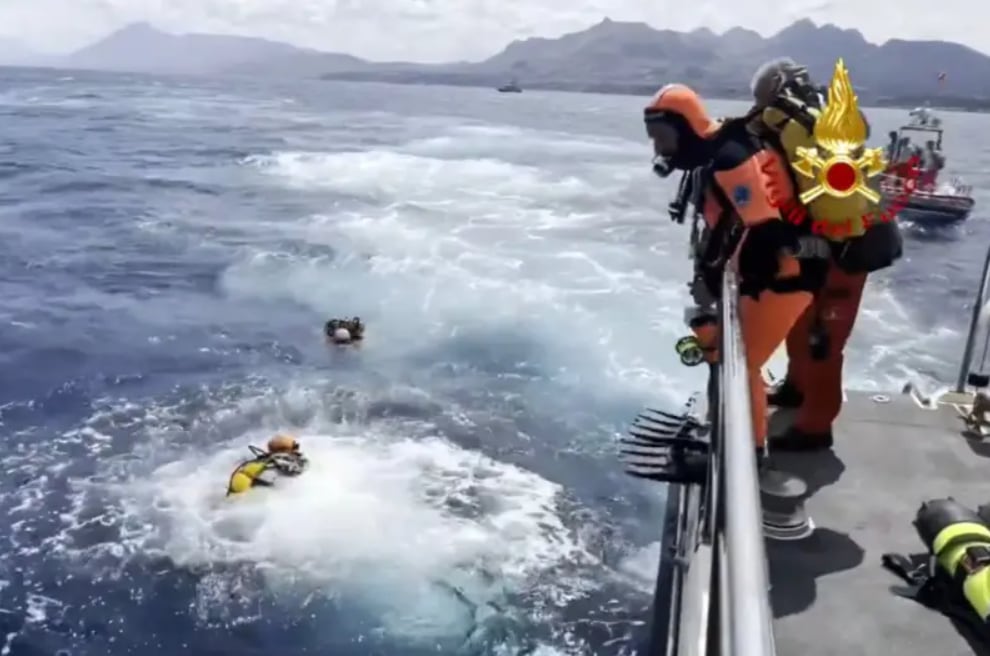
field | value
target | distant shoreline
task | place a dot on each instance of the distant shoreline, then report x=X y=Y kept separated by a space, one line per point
x=975 y=105
x=952 y=103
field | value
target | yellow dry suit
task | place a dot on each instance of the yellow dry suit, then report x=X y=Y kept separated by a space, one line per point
x=264 y=468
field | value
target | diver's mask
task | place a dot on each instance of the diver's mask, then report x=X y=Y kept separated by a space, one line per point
x=685 y=149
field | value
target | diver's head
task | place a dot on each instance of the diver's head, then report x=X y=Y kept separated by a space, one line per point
x=893 y=135
x=769 y=78
x=282 y=443
x=930 y=145
x=342 y=336
x=679 y=126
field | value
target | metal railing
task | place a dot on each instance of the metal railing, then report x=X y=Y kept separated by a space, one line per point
x=979 y=310
x=712 y=593
x=747 y=624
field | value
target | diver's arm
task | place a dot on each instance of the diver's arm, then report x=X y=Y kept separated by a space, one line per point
x=767 y=236
x=264 y=479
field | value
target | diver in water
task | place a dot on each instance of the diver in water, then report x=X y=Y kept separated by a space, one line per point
x=344 y=331
x=283 y=458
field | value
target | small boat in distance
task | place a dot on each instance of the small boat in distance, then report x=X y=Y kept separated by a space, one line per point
x=511 y=87
x=933 y=203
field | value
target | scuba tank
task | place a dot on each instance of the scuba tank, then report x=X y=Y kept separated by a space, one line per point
x=787 y=108
x=953 y=577
x=959 y=541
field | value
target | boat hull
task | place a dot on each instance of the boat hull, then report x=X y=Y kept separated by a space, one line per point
x=932 y=209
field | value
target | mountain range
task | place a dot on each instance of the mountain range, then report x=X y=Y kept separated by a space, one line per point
x=610 y=56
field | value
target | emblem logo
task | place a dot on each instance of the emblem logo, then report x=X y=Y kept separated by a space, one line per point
x=838 y=162
x=741 y=196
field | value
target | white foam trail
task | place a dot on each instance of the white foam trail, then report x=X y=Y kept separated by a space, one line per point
x=388 y=175
x=456 y=242
x=393 y=522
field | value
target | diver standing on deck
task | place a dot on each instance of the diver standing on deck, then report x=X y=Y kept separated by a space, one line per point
x=787 y=107
x=778 y=266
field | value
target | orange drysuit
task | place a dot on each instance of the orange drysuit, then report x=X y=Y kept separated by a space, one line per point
x=746 y=184
x=830 y=318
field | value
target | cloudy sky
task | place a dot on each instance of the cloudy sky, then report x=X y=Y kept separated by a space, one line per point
x=444 y=30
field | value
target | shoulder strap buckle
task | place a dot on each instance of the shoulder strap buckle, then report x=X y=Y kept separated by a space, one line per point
x=976 y=558
x=813 y=247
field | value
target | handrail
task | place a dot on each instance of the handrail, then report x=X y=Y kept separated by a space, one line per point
x=974 y=324
x=712 y=591
x=749 y=620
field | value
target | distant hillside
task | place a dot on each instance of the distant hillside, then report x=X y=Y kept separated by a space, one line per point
x=142 y=48
x=634 y=57
x=610 y=57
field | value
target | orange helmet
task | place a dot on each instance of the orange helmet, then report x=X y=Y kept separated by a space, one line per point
x=682 y=101
x=282 y=443
x=680 y=128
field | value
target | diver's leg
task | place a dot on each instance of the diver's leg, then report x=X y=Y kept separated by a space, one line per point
x=838 y=306
x=766 y=323
x=264 y=479
x=788 y=394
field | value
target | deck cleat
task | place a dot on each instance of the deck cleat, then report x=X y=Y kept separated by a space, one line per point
x=782 y=497
x=666 y=447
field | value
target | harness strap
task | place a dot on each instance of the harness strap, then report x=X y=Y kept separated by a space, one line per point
x=932 y=591
x=913 y=570
x=795 y=112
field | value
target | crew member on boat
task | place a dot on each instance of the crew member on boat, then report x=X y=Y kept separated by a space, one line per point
x=932 y=162
x=817 y=340
x=893 y=146
x=745 y=227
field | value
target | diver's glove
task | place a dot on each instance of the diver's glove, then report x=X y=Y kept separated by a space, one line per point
x=289 y=464
x=706 y=287
x=761 y=250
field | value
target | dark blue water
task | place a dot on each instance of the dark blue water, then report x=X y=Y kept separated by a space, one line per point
x=169 y=251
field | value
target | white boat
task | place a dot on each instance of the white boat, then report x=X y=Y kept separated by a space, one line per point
x=929 y=203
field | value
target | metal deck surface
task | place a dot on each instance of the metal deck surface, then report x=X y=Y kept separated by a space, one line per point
x=830 y=593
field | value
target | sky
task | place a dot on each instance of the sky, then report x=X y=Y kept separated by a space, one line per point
x=451 y=30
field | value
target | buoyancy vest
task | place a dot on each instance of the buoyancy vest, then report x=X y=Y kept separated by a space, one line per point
x=788 y=123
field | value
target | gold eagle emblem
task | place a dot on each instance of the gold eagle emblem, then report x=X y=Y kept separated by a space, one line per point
x=839 y=163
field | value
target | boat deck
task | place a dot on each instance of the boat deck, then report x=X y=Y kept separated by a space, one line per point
x=830 y=594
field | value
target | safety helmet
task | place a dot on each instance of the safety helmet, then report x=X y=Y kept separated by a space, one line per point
x=283 y=443
x=778 y=77
x=680 y=108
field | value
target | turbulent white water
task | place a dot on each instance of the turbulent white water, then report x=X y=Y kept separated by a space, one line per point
x=523 y=290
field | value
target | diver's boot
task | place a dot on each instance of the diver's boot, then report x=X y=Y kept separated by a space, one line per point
x=785 y=395
x=795 y=439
